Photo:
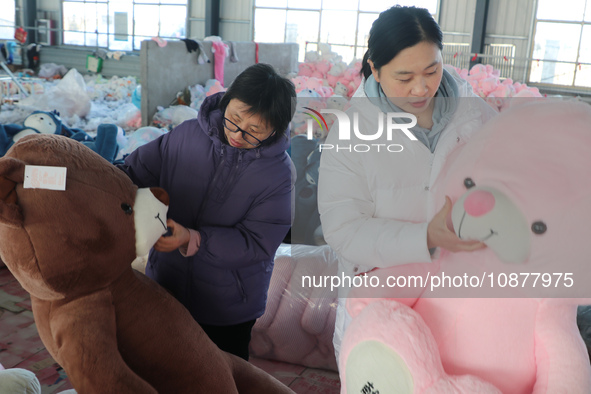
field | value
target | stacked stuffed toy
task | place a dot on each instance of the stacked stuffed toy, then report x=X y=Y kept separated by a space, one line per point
x=42 y=122
x=111 y=328
x=521 y=186
x=486 y=82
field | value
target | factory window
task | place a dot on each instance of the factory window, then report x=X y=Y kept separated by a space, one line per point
x=344 y=24
x=561 y=52
x=7 y=20
x=122 y=24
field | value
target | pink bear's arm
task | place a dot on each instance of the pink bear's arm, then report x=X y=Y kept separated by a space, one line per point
x=562 y=359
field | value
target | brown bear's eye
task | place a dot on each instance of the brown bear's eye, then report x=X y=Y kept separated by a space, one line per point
x=127 y=208
x=539 y=227
x=469 y=183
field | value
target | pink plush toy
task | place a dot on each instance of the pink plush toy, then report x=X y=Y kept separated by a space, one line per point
x=213 y=86
x=313 y=83
x=356 y=65
x=341 y=89
x=485 y=81
x=521 y=186
x=305 y=69
x=337 y=71
x=300 y=82
x=325 y=91
x=322 y=68
x=478 y=71
x=498 y=97
x=349 y=74
x=487 y=85
x=462 y=72
x=299 y=319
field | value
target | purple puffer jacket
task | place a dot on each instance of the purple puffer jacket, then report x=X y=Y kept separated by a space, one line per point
x=240 y=202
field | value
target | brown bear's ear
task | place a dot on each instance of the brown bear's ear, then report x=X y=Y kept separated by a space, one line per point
x=12 y=172
x=161 y=195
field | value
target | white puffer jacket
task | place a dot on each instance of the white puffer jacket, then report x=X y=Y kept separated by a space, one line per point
x=375 y=206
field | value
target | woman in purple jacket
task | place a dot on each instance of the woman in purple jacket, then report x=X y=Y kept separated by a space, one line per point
x=230 y=180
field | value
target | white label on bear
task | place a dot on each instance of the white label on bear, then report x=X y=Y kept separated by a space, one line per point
x=45 y=177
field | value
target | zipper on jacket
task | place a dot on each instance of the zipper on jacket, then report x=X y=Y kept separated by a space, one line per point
x=212 y=184
x=198 y=220
x=239 y=285
x=232 y=176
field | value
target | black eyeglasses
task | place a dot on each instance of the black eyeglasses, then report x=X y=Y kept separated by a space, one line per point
x=246 y=136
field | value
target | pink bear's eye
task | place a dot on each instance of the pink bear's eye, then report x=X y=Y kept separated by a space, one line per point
x=539 y=227
x=469 y=183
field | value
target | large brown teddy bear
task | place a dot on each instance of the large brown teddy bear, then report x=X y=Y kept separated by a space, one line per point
x=111 y=328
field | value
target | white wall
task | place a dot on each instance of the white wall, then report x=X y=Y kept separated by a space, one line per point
x=456 y=19
x=196 y=25
x=236 y=20
x=49 y=5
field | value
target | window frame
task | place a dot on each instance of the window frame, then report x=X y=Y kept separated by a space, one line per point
x=110 y=32
x=359 y=49
x=576 y=63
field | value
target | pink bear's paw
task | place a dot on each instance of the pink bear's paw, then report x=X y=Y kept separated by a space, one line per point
x=373 y=367
x=389 y=346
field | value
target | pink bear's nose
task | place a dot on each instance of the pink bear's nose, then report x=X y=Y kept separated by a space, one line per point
x=479 y=203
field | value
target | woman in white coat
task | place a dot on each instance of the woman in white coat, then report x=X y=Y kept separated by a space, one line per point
x=375 y=193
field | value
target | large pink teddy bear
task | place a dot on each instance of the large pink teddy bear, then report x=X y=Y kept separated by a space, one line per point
x=522 y=186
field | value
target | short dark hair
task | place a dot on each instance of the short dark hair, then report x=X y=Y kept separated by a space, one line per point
x=268 y=95
x=396 y=29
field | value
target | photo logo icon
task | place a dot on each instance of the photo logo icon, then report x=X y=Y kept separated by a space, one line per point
x=317 y=117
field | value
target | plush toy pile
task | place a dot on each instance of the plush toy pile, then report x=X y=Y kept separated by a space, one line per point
x=518 y=187
x=486 y=83
x=10 y=92
x=186 y=105
x=111 y=328
x=170 y=117
x=140 y=137
x=325 y=74
x=298 y=323
x=84 y=102
x=105 y=143
x=68 y=96
x=112 y=89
